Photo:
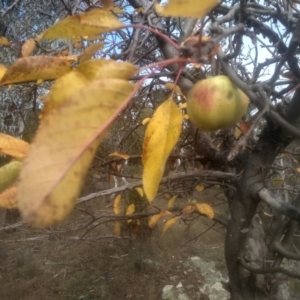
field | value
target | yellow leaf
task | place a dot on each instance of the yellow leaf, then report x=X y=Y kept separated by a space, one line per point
x=76 y=39
x=117 y=10
x=182 y=105
x=187 y=8
x=62 y=89
x=28 y=47
x=35 y=67
x=140 y=191
x=94 y=22
x=161 y=136
x=90 y=51
x=8 y=197
x=130 y=209
x=200 y=187
x=188 y=209
x=9 y=174
x=237 y=133
x=84 y=74
x=169 y=223
x=120 y=154
x=277 y=181
x=186 y=116
x=103 y=68
x=64 y=146
x=171 y=86
x=172 y=201
x=117 y=208
x=2 y=71
x=12 y=146
x=117 y=230
x=4 y=41
x=205 y=209
x=146 y=121
x=93 y=37
x=154 y=219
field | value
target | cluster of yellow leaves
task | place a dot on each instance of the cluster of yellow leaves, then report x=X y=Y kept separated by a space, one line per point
x=71 y=129
x=117 y=210
x=203 y=209
x=80 y=107
x=70 y=133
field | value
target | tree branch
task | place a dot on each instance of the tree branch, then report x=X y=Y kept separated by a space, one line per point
x=281 y=206
x=173 y=177
x=266 y=271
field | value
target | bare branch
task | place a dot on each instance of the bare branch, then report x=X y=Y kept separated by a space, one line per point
x=266 y=271
x=280 y=205
x=190 y=174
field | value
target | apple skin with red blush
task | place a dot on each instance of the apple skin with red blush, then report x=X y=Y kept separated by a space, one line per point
x=216 y=103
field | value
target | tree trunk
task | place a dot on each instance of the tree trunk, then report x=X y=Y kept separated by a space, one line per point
x=243 y=205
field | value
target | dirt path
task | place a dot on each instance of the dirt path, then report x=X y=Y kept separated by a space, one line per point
x=50 y=264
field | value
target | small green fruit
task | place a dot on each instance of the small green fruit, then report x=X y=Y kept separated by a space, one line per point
x=216 y=103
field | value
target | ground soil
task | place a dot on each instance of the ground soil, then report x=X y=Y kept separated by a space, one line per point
x=57 y=263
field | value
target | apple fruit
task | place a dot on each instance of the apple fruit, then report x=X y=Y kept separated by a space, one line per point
x=216 y=103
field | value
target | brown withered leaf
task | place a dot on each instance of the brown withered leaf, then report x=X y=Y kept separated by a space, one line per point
x=28 y=47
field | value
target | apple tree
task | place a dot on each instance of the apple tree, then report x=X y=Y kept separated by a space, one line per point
x=116 y=77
